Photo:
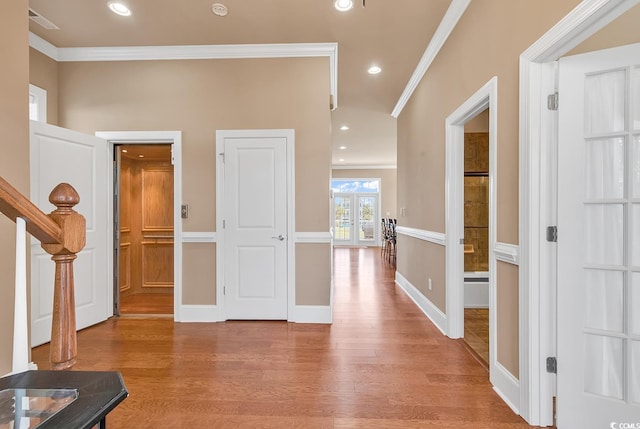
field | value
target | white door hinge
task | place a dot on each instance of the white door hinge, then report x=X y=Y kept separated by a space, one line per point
x=552 y=101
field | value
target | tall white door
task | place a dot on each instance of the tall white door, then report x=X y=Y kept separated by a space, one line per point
x=61 y=155
x=599 y=240
x=255 y=227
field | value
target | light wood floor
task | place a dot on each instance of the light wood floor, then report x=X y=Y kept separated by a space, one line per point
x=476 y=332
x=381 y=364
x=149 y=303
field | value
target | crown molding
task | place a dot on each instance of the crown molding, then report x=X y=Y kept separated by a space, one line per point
x=41 y=45
x=583 y=21
x=448 y=23
x=195 y=52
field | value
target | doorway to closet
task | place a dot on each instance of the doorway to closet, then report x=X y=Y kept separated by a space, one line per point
x=144 y=230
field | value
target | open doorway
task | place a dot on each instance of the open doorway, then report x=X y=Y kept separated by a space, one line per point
x=144 y=226
x=476 y=236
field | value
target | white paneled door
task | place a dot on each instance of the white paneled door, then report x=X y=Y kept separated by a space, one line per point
x=599 y=240
x=61 y=155
x=255 y=226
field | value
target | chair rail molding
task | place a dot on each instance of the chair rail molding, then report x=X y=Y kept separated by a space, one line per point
x=421 y=234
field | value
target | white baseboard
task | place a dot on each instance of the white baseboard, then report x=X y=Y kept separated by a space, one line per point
x=199 y=313
x=506 y=386
x=312 y=314
x=428 y=308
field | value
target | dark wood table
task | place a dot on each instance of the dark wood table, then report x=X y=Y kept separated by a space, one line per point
x=96 y=394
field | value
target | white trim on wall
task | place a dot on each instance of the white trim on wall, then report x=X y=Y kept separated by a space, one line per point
x=509 y=253
x=421 y=234
x=434 y=314
x=164 y=137
x=537 y=80
x=507 y=387
x=313 y=237
x=313 y=314
x=198 y=237
x=448 y=23
x=363 y=167
x=299 y=237
x=196 y=52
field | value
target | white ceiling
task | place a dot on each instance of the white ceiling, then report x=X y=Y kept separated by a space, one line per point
x=391 y=34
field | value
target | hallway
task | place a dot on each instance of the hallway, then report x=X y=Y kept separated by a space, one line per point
x=382 y=364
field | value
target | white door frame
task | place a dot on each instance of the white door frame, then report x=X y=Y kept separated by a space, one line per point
x=289 y=136
x=157 y=137
x=485 y=98
x=538 y=136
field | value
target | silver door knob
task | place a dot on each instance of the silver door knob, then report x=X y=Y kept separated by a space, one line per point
x=280 y=237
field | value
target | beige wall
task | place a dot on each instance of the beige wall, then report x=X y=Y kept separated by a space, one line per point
x=43 y=72
x=388 y=186
x=487 y=42
x=199 y=97
x=14 y=162
x=313 y=267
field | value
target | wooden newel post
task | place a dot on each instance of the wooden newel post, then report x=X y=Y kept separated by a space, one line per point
x=63 y=349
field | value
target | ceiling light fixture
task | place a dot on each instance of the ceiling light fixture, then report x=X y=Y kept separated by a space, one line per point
x=344 y=128
x=341 y=160
x=343 y=5
x=343 y=147
x=374 y=70
x=219 y=9
x=119 y=8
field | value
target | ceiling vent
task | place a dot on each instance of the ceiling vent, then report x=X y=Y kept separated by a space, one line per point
x=39 y=19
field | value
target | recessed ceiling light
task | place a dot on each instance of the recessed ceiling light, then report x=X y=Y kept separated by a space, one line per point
x=374 y=70
x=124 y=151
x=344 y=128
x=119 y=8
x=341 y=160
x=219 y=9
x=343 y=147
x=140 y=156
x=343 y=5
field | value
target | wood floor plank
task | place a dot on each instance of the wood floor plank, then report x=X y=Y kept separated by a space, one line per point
x=381 y=364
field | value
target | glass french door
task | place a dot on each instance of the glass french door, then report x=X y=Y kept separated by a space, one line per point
x=355 y=219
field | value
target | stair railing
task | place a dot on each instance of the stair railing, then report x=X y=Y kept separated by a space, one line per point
x=62 y=234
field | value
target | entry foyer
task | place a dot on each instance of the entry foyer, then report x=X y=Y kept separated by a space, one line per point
x=381 y=364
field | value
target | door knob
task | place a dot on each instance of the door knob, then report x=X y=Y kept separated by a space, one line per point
x=280 y=237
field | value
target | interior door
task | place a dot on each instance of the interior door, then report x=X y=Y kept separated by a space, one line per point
x=61 y=155
x=599 y=240
x=343 y=227
x=255 y=230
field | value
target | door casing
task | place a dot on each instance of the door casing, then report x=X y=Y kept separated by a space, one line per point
x=157 y=137
x=289 y=135
x=537 y=142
